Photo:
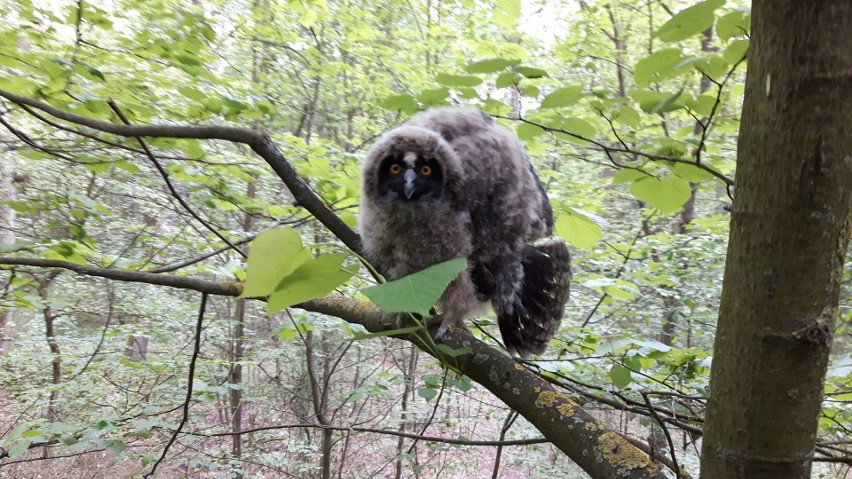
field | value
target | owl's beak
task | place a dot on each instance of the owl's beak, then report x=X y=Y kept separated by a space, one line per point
x=409 y=177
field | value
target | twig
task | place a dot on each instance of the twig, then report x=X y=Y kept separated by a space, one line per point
x=169 y=184
x=185 y=417
x=510 y=419
x=608 y=150
x=407 y=435
x=662 y=424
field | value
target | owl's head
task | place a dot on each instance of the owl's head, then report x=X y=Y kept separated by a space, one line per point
x=411 y=164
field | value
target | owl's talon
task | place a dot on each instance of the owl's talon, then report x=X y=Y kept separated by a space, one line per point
x=447 y=324
x=442 y=330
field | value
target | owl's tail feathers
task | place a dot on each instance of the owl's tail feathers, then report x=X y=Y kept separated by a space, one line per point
x=529 y=323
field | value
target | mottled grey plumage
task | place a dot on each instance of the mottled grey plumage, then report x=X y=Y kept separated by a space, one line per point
x=450 y=183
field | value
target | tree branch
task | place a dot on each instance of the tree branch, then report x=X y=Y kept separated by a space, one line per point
x=257 y=140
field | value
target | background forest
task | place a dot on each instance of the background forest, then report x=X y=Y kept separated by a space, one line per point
x=114 y=246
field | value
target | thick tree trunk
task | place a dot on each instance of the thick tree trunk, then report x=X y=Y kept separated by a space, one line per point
x=789 y=233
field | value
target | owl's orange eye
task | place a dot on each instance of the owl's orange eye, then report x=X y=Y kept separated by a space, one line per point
x=425 y=170
x=395 y=169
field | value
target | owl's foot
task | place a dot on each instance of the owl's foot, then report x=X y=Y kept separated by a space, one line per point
x=448 y=323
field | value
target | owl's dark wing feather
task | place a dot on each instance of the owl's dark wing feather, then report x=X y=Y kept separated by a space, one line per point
x=528 y=323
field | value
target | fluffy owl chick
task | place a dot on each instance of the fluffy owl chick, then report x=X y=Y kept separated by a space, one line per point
x=450 y=183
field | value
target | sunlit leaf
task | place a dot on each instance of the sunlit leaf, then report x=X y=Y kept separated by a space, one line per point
x=660 y=65
x=733 y=24
x=273 y=255
x=656 y=102
x=527 y=131
x=627 y=175
x=311 y=280
x=620 y=376
x=563 y=97
x=667 y=194
x=532 y=72
x=578 y=229
x=506 y=13
x=458 y=80
x=690 y=21
x=735 y=51
x=491 y=65
x=404 y=103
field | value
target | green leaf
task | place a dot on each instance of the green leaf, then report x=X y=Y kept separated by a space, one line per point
x=188 y=60
x=530 y=72
x=714 y=66
x=458 y=80
x=491 y=65
x=287 y=334
x=690 y=172
x=689 y=21
x=527 y=131
x=506 y=13
x=621 y=289
x=313 y=279
x=531 y=91
x=18 y=449
x=127 y=166
x=660 y=65
x=416 y=292
x=273 y=255
x=130 y=364
x=563 y=97
x=115 y=446
x=192 y=93
x=427 y=393
x=627 y=175
x=735 y=51
x=627 y=116
x=620 y=376
x=504 y=80
x=667 y=195
x=578 y=229
x=223 y=205
x=577 y=126
x=657 y=102
x=435 y=96
x=404 y=103
x=12 y=247
x=702 y=105
x=24 y=206
x=734 y=24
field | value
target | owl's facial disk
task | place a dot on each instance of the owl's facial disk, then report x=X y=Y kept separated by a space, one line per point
x=410 y=177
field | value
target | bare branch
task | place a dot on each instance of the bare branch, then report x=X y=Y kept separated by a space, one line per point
x=443 y=440
x=191 y=377
x=608 y=150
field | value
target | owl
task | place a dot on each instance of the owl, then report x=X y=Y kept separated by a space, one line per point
x=451 y=183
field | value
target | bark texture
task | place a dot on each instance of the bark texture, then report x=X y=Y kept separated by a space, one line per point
x=789 y=234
